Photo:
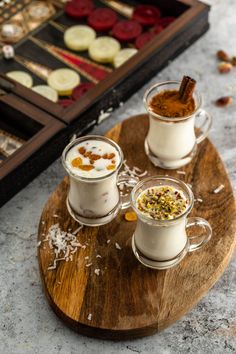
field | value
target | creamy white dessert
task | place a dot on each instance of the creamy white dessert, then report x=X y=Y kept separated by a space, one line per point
x=171 y=141
x=164 y=240
x=93 y=166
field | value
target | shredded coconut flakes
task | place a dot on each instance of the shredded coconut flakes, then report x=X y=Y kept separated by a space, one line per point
x=77 y=230
x=181 y=172
x=219 y=189
x=97 y=271
x=64 y=244
x=117 y=246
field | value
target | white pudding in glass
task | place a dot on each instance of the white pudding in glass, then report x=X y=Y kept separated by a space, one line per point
x=93 y=165
x=171 y=141
x=164 y=240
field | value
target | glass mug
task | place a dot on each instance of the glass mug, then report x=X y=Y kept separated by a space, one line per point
x=171 y=142
x=96 y=201
x=162 y=244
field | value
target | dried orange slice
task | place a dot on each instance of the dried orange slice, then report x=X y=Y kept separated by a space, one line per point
x=130 y=216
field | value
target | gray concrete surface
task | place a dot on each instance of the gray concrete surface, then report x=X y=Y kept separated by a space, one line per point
x=27 y=324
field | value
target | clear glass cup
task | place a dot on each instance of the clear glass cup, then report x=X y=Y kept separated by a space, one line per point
x=96 y=201
x=162 y=244
x=171 y=142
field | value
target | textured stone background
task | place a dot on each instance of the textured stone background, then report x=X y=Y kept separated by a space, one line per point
x=27 y=324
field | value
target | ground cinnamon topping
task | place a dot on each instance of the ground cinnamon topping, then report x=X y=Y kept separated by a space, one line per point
x=174 y=103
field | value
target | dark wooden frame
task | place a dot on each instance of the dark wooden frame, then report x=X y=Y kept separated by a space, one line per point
x=118 y=86
x=35 y=154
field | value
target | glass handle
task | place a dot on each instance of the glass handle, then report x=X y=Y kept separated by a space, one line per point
x=205 y=126
x=131 y=182
x=199 y=241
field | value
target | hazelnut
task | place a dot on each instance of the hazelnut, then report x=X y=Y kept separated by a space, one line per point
x=224 y=101
x=233 y=61
x=224 y=67
x=222 y=55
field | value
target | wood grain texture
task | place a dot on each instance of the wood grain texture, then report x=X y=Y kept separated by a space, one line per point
x=128 y=300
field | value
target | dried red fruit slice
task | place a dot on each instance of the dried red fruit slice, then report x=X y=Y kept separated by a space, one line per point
x=81 y=90
x=166 y=21
x=79 y=8
x=65 y=102
x=143 y=39
x=127 y=30
x=146 y=15
x=102 y=19
x=157 y=29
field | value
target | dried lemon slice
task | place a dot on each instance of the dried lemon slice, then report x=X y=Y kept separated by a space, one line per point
x=46 y=91
x=79 y=37
x=63 y=81
x=22 y=77
x=123 y=55
x=130 y=216
x=104 y=49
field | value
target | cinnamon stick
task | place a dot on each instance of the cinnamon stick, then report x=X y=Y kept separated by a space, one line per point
x=186 y=89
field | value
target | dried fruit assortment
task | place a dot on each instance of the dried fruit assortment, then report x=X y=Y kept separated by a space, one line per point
x=95 y=156
x=107 y=39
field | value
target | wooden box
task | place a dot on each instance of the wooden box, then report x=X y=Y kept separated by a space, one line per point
x=42 y=123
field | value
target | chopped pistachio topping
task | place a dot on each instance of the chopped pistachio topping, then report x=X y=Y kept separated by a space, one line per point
x=162 y=202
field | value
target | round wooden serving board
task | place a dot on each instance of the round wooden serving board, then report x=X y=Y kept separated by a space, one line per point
x=128 y=300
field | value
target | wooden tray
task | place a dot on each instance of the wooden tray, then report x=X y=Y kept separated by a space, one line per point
x=128 y=300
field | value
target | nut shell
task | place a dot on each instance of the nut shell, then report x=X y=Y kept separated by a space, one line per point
x=225 y=67
x=224 y=101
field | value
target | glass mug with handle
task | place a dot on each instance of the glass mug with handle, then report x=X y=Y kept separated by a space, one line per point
x=163 y=243
x=92 y=163
x=171 y=142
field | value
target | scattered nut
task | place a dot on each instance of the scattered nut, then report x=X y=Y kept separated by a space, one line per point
x=224 y=67
x=233 y=61
x=222 y=55
x=224 y=101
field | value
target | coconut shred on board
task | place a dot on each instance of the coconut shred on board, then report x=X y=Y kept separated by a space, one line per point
x=134 y=172
x=64 y=244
